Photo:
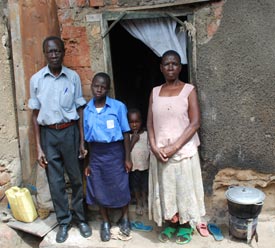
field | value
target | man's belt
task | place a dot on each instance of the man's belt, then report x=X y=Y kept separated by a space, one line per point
x=61 y=125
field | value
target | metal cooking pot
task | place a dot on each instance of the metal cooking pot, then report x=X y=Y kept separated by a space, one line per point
x=244 y=202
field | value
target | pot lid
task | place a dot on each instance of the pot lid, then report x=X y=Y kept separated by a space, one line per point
x=244 y=195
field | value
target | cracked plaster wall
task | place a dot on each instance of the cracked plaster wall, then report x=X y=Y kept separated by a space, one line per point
x=235 y=80
x=10 y=167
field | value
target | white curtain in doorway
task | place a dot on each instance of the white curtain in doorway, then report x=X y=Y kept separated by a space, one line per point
x=159 y=34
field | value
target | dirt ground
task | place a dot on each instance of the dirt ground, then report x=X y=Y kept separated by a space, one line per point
x=265 y=230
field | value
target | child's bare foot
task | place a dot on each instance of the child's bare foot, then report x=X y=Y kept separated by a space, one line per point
x=139 y=210
x=145 y=207
x=175 y=218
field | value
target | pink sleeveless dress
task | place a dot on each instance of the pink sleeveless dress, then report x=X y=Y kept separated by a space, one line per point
x=170 y=118
x=175 y=186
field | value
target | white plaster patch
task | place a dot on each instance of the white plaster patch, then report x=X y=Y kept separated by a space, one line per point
x=241 y=155
x=93 y=18
x=252 y=119
x=268 y=136
x=213 y=114
x=218 y=157
x=203 y=96
x=4 y=41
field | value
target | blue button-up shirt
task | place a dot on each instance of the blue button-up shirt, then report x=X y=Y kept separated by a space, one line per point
x=56 y=98
x=108 y=125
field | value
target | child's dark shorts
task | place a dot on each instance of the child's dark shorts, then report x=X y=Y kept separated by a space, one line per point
x=139 y=181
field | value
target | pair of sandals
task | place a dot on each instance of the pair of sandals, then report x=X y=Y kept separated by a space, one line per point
x=205 y=229
x=183 y=234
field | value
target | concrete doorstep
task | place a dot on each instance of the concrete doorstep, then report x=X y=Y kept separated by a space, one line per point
x=15 y=238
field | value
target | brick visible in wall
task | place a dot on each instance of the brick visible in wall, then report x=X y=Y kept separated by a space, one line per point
x=217 y=8
x=65 y=4
x=77 y=47
x=81 y=3
x=212 y=28
x=96 y=3
x=85 y=74
x=65 y=16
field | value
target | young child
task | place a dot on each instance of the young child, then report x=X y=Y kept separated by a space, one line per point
x=106 y=129
x=140 y=158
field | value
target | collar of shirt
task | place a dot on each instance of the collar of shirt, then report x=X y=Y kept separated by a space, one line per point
x=91 y=104
x=48 y=72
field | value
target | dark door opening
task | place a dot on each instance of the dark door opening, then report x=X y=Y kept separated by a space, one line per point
x=135 y=70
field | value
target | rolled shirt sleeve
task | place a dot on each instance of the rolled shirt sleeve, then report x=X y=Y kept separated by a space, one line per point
x=33 y=102
x=122 y=115
x=79 y=99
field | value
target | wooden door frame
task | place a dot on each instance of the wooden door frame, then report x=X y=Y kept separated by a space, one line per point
x=118 y=15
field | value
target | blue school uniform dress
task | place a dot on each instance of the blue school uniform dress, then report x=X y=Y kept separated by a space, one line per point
x=108 y=183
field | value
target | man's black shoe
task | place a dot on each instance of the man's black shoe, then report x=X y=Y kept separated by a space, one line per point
x=62 y=233
x=85 y=230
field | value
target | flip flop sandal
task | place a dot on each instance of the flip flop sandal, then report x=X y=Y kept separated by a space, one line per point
x=215 y=231
x=184 y=235
x=139 y=226
x=202 y=229
x=168 y=232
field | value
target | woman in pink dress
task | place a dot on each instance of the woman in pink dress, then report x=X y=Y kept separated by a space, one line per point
x=176 y=195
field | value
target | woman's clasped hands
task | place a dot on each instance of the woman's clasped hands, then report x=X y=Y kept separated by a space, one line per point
x=164 y=153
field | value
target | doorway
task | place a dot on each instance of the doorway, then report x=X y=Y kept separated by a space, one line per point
x=136 y=69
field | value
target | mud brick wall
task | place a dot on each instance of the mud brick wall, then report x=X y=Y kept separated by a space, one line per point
x=10 y=169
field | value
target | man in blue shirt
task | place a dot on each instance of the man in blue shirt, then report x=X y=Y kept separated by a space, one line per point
x=56 y=100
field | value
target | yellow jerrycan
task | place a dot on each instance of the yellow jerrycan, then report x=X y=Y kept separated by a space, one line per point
x=21 y=204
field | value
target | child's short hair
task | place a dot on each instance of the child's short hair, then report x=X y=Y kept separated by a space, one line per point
x=134 y=111
x=105 y=76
